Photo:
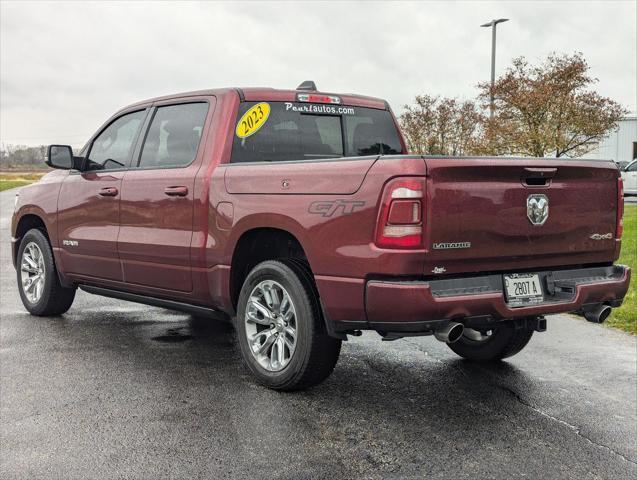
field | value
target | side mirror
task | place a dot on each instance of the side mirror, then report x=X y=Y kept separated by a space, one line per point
x=61 y=156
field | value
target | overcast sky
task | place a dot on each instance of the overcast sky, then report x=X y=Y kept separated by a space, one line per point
x=66 y=67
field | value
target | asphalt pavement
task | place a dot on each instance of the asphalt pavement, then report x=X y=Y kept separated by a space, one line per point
x=118 y=390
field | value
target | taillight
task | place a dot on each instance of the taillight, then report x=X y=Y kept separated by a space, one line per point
x=400 y=220
x=619 y=230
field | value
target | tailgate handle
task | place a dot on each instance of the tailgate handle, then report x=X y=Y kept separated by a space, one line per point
x=538 y=176
x=540 y=172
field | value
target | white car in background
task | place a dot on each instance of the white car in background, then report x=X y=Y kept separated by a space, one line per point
x=629 y=175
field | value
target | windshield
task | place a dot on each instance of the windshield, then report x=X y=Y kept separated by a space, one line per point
x=285 y=131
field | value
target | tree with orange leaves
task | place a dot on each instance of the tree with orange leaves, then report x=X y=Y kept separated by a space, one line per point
x=547 y=109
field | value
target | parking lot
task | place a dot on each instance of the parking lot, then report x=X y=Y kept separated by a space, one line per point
x=119 y=390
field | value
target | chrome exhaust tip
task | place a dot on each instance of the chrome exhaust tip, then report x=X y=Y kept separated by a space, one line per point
x=450 y=333
x=599 y=314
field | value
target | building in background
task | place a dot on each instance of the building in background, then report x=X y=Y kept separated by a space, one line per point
x=621 y=145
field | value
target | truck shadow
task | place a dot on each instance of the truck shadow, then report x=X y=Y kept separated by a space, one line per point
x=373 y=366
x=410 y=385
x=386 y=407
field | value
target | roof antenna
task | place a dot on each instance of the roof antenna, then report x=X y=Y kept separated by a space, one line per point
x=307 y=85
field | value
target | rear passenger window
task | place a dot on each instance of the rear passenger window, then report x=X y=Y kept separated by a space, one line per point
x=173 y=136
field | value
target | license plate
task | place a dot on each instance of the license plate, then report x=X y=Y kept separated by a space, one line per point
x=523 y=289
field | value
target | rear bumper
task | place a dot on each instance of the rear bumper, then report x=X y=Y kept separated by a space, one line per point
x=395 y=305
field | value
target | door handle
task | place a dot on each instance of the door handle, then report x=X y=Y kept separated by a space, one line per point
x=108 y=192
x=176 y=191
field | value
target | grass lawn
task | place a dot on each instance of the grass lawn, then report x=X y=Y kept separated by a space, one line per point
x=8 y=184
x=18 y=179
x=625 y=317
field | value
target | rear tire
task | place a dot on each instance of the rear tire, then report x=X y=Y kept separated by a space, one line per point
x=284 y=345
x=38 y=282
x=505 y=341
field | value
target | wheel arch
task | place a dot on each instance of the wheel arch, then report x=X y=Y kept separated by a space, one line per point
x=26 y=222
x=259 y=244
x=30 y=219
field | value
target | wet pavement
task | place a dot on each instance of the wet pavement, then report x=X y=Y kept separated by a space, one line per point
x=118 y=390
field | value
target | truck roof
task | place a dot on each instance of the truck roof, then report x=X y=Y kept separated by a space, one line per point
x=271 y=94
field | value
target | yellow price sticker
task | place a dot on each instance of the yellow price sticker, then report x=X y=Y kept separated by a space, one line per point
x=251 y=121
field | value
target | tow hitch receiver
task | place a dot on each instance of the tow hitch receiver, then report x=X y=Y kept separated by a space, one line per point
x=539 y=324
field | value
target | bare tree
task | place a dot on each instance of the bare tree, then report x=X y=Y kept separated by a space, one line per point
x=22 y=156
x=547 y=109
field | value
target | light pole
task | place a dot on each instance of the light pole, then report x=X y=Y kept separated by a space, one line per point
x=493 y=24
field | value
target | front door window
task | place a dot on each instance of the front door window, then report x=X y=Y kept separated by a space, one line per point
x=112 y=149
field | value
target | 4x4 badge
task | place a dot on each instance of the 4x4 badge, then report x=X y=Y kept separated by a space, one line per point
x=599 y=236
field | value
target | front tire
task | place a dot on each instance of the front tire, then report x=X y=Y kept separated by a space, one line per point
x=280 y=328
x=501 y=342
x=38 y=282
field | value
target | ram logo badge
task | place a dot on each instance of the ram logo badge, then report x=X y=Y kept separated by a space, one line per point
x=537 y=209
x=70 y=243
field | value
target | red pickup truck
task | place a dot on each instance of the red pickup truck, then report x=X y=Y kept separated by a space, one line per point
x=300 y=215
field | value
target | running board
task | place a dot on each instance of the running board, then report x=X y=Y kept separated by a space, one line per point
x=157 y=302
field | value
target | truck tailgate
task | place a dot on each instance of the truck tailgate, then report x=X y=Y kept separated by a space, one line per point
x=477 y=213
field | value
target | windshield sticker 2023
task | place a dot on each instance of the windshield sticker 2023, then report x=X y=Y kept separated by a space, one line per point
x=251 y=121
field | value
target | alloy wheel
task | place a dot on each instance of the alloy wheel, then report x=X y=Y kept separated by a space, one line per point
x=32 y=272
x=271 y=325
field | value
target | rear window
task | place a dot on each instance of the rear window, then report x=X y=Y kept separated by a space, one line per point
x=284 y=131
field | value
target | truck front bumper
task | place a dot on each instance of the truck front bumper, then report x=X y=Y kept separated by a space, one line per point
x=419 y=306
